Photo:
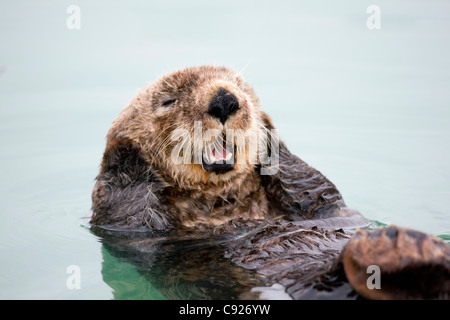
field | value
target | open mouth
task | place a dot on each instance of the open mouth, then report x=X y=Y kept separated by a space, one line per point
x=218 y=158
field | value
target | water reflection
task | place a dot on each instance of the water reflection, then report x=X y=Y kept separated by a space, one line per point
x=230 y=265
x=143 y=267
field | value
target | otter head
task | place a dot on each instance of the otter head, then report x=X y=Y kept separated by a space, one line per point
x=199 y=125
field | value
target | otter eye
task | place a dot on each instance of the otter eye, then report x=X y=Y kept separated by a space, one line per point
x=168 y=102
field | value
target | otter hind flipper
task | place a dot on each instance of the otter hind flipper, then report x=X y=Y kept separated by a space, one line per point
x=397 y=263
x=125 y=195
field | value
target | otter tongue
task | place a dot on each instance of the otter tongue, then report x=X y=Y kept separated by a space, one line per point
x=220 y=153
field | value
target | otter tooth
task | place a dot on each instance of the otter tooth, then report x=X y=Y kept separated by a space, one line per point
x=209 y=155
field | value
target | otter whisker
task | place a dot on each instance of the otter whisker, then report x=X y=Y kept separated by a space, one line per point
x=167 y=140
x=162 y=145
x=168 y=136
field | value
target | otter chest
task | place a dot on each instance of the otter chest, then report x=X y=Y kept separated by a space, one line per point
x=200 y=208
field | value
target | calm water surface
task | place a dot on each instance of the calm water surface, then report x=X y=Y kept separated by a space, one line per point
x=369 y=109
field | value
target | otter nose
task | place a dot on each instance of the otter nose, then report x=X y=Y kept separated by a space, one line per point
x=223 y=105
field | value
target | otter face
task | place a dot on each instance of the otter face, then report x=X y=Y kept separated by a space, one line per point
x=203 y=125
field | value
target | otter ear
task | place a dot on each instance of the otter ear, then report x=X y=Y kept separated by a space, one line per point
x=297 y=190
x=125 y=194
x=268 y=124
x=268 y=145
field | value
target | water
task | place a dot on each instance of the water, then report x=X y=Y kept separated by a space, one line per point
x=369 y=108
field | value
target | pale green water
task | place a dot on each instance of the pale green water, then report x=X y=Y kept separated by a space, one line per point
x=369 y=108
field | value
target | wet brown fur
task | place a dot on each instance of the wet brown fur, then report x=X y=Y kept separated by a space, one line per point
x=287 y=226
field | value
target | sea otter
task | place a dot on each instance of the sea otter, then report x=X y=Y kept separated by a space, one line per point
x=193 y=159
